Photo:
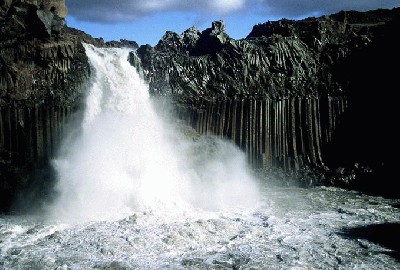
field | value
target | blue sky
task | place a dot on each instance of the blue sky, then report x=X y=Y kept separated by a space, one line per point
x=146 y=21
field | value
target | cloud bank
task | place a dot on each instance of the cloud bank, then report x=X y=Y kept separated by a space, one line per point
x=114 y=11
x=303 y=8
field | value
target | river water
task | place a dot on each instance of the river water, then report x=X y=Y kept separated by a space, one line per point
x=317 y=228
x=133 y=192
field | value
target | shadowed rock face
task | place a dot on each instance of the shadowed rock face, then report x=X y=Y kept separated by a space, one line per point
x=310 y=98
x=39 y=19
x=43 y=74
x=283 y=92
x=48 y=5
x=43 y=68
x=276 y=60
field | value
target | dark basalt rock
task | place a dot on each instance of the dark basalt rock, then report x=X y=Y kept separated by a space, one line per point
x=43 y=70
x=122 y=43
x=211 y=40
x=308 y=100
x=193 y=42
x=190 y=38
x=301 y=96
x=278 y=59
x=43 y=74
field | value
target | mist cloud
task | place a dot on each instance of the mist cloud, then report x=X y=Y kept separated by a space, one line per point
x=114 y=11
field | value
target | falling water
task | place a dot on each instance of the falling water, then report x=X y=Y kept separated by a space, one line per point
x=134 y=193
x=127 y=159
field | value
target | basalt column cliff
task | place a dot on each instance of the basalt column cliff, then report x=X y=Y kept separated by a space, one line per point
x=42 y=70
x=312 y=100
x=309 y=96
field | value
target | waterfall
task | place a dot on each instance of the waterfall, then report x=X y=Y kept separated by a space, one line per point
x=124 y=157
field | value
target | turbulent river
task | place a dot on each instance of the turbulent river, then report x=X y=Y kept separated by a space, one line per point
x=135 y=192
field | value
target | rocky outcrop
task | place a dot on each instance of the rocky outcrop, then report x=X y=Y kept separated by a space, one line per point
x=283 y=92
x=43 y=74
x=43 y=70
x=277 y=60
x=39 y=19
x=37 y=66
x=309 y=99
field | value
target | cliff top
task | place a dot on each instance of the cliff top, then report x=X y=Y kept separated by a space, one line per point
x=212 y=39
x=48 y=5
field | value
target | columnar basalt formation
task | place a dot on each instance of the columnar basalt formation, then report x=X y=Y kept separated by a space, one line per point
x=287 y=133
x=282 y=92
x=42 y=74
x=309 y=96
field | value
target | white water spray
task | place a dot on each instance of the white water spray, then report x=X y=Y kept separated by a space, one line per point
x=126 y=159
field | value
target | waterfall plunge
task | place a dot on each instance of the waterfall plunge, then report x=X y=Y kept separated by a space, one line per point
x=125 y=158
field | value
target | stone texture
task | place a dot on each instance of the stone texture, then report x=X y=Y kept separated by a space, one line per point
x=49 y=5
x=304 y=96
x=277 y=59
x=43 y=75
x=312 y=99
x=43 y=71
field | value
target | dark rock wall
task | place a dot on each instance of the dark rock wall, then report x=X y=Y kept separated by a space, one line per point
x=368 y=133
x=293 y=94
x=277 y=59
x=43 y=73
x=287 y=133
x=31 y=134
x=29 y=137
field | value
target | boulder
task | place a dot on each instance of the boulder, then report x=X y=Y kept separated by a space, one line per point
x=211 y=40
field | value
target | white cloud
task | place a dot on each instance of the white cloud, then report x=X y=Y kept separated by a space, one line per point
x=155 y=5
x=130 y=10
x=225 y=6
x=302 y=8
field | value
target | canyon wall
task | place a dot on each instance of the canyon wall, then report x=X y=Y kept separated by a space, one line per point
x=311 y=99
x=307 y=96
x=43 y=72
